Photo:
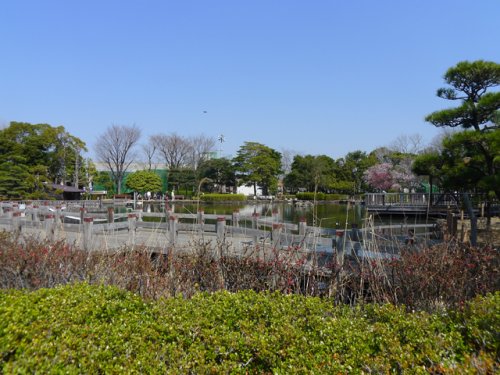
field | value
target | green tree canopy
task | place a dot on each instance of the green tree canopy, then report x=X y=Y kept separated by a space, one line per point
x=182 y=179
x=311 y=173
x=469 y=161
x=31 y=155
x=257 y=164
x=144 y=181
x=469 y=83
x=350 y=170
x=219 y=171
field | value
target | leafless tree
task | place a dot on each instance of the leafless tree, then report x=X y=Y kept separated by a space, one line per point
x=149 y=152
x=201 y=146
x=408 y=144
x=115 y=148
x=436 y=144
x=174 y=149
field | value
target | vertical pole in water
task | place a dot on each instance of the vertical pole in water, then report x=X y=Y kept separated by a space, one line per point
x=255 y=218
x=255 y=225
x=340 y=246
x=88 y=224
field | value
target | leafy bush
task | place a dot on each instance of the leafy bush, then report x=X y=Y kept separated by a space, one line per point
x=98 y=329
x=223 y=197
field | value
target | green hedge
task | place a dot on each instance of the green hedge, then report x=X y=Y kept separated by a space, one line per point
x=97 y=329
x=309 y=196
x=223 y=197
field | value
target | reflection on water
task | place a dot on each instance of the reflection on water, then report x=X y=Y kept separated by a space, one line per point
x=326 y=215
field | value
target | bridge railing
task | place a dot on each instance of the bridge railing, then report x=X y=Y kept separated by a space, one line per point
x=250 y=229
x=410 y=199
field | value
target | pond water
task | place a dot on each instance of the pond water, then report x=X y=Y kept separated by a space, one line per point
x=327 y=215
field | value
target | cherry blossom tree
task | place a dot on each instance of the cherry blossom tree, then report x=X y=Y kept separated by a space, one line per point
x=380 y=176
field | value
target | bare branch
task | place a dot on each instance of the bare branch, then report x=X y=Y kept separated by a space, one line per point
x=115 y=149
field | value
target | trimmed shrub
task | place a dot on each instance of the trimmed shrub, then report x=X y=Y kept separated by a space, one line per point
x=223 y=197
x=98 y=329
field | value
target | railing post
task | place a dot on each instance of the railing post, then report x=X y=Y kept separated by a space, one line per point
x=172 y=227
x=302 y=226
x=58 y=215
x=221 y=228
x=111 y=215
x=276 y=215
x=50 y=227
x=34 y=216
x=201 y=220
x=276 y=234
x=132 y=225
x=88 y=224
x=16 y=222
x=83 y=210
x=8 y=211
x=236 y=218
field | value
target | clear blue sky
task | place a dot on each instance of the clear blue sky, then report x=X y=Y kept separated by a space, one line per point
x=318 y=77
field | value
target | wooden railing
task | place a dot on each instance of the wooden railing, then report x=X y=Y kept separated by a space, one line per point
x=411 y=199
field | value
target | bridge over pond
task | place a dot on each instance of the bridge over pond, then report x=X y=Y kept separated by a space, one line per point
x=93 y=227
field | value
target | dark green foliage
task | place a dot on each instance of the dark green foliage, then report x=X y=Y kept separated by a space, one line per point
x=143 y=181
x=97 y=329
x=258 y=165
x=103 y=181
x=219 y=172
x=313 y=173
x=469 y=83
x=468 y=161
x=350 y=170
x=223 y=197
x=309 y=196
x=32 y=155
x=182 y=180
